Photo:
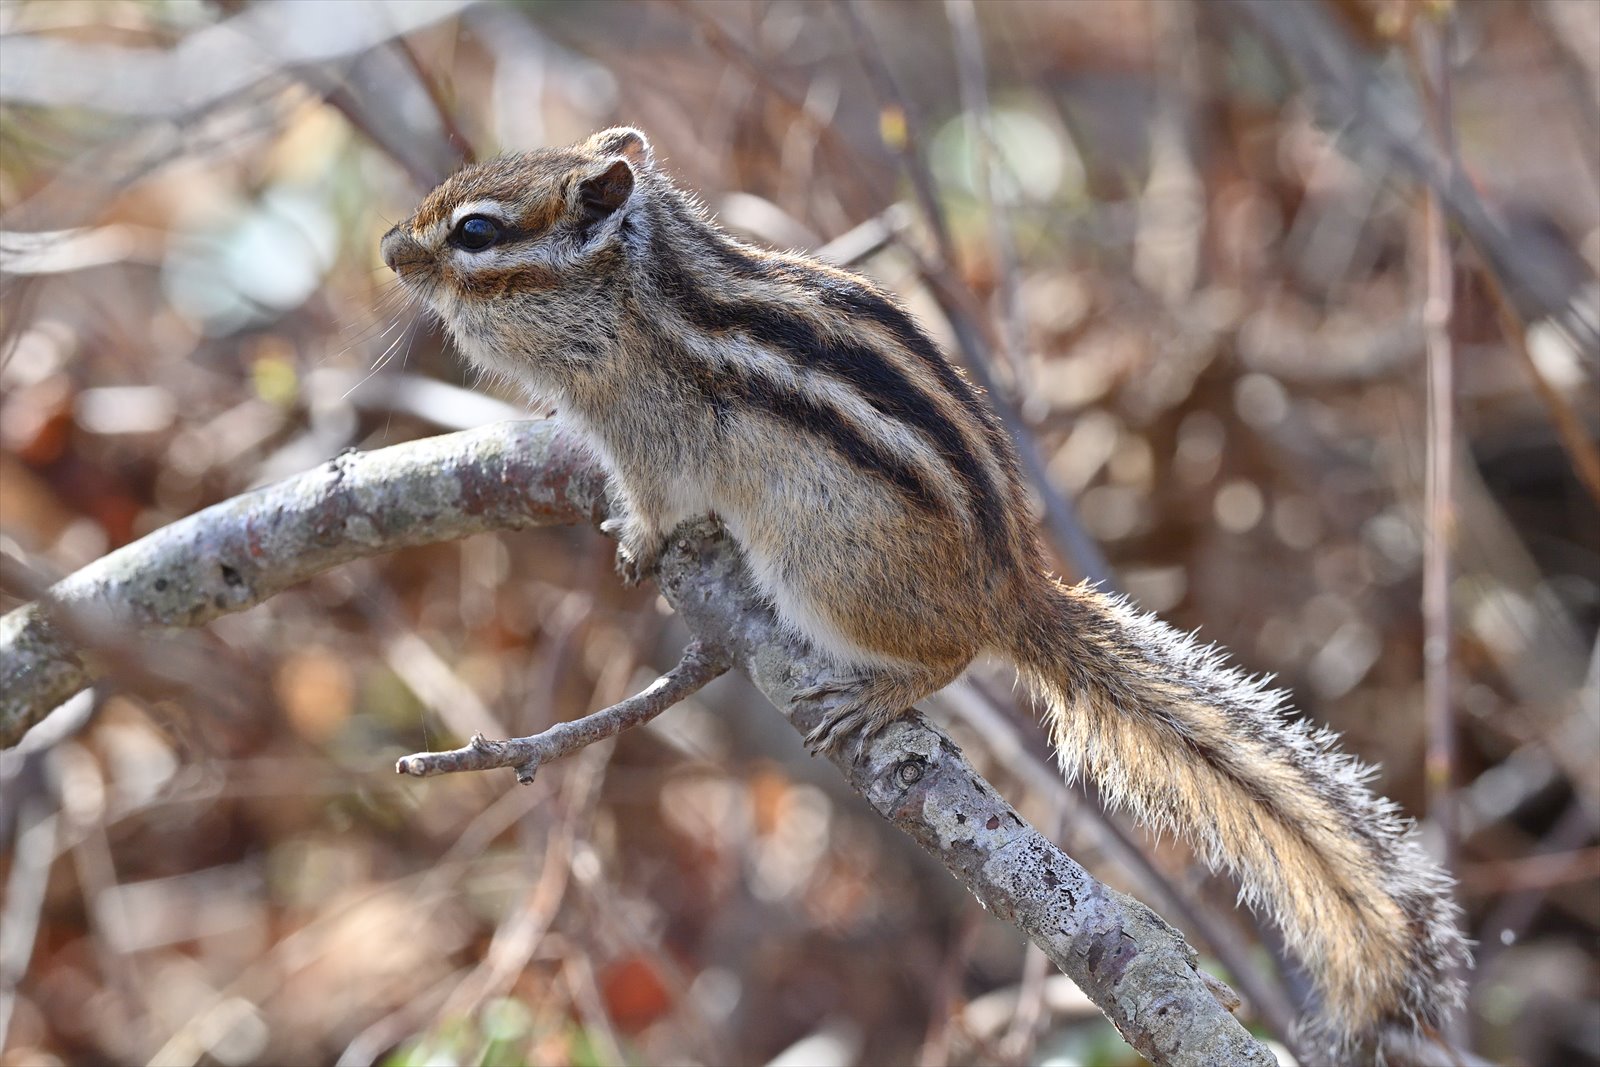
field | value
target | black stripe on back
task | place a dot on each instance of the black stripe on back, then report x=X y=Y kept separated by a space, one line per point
x=724 y=387
x=866 y=369
x=860 y=301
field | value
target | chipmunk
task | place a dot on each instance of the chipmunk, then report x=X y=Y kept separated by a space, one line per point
x=878 y=502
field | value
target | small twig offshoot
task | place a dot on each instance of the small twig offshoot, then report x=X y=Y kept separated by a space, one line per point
x=699 y=665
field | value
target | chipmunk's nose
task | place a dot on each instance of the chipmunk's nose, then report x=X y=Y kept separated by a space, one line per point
x=399 y=250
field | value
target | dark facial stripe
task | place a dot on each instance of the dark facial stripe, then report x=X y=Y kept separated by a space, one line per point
x=486 y=282
x=727 y=388
x=866 y=369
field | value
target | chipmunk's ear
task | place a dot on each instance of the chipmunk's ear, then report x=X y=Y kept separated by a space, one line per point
x=601 y=194
x=624 y=141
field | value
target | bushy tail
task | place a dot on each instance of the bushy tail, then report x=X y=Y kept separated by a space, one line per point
x=1187 y=743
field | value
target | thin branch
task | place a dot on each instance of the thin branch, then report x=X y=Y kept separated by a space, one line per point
x=207 y=66
x=1432 y=62
x=910 y=140
x=699 y=665
x=1021 y=1038
x=944 y=1000
x=760 y=70
x=1543 y=870
x=1517 y=907
x=26 y=883
x=430 y=85
x=1440 y=517
x=973 y=75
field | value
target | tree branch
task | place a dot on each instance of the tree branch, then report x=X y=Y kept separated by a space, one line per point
x=235 y=555
x=1127 y=959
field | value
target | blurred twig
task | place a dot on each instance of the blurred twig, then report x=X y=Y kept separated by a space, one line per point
x=225 y=82
x=518 y=936
x=1432 y=65
x=1432 y=69
x=1570 y=38
x=1514 y=912
x=1021 y=1038
x=760 y=69
x=425 y=672
x=31 y=858
x=1540 y=871
x=1168 y=245
x=1353 y=92
x=207 y=66
x=447 y=118
x=585 y=992
x=944 y=1008
x=399 y=1024
x=974 y=77
x=903 y=129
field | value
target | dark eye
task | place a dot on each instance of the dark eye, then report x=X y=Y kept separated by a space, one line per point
x=476 y=232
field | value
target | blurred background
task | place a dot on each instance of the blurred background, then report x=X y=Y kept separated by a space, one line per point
x=1186 y=244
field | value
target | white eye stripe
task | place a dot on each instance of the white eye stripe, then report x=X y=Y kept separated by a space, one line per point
x=525 y=253
x=509 y=255
x=494 y=209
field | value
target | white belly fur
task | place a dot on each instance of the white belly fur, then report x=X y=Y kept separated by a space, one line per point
x=798 y=613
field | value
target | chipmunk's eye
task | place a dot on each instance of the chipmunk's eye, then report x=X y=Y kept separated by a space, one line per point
x=476 y=232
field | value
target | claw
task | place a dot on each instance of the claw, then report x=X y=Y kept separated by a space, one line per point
x=838 y=723
x=635 y=563
x=837 y=728
x=633 y=570
x=820 y=691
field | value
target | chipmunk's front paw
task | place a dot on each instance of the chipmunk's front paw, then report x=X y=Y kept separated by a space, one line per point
x=635 y=569
x=638 y=558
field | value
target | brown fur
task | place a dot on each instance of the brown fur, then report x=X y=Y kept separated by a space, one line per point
x=878 y=502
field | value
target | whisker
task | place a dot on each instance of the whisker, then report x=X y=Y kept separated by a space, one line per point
x=383 y=359
x=389 y=349
x=389 y=329
x=411 y=338
x=364 y=335
x=387 y=311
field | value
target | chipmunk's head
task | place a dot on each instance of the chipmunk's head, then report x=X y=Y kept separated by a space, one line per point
x=523 y=256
